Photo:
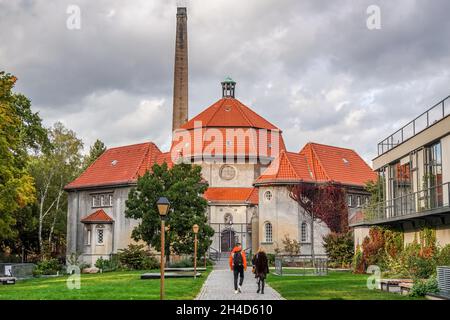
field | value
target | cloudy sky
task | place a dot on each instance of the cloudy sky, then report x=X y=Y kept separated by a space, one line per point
x=312 y=68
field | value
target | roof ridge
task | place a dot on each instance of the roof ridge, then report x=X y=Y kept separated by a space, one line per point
x=251 y=124
x=251 y=110
x=331 y=146
x=135 y=175
x=320 y=162
x=132 y=145
x=293 y=167
x=222 y=101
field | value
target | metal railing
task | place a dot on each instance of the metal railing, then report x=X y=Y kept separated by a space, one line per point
x=423 y=201
x=420 y=123
x=301 y=265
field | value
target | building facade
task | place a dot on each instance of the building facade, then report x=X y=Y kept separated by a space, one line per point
x=243 y=159
x=413 y=166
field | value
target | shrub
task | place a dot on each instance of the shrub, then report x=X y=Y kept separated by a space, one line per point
x=136 y=258
x=443 y=258
x=271 y=259
x=358 y=262
x=47 y=267
x=74 y=260
x=106 y=265
x=339 y=248
x=373 y=248
x=422 y=287
x=185 y=263
x=421 y=267
x=291 y=246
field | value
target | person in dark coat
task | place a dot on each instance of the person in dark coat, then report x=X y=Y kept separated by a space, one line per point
x=261 y=268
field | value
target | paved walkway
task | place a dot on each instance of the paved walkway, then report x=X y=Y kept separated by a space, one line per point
x=219 y=286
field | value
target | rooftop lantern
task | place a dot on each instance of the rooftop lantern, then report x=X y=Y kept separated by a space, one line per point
x=228 y=86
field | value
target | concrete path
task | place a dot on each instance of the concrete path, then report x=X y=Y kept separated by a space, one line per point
x=219 y=286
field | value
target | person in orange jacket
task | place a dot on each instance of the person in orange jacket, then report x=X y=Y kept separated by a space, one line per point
x=238 y=264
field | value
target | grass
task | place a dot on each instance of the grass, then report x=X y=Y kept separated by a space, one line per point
x=107 y=286
x=334 y=286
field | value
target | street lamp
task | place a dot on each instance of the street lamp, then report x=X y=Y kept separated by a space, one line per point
x=163 y=208
x=195 y=229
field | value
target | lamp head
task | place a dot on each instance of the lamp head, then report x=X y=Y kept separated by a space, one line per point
x=163 y=206
x=195 y=228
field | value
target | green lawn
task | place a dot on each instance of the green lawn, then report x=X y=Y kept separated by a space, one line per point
x=106 y=286
x=335 y=286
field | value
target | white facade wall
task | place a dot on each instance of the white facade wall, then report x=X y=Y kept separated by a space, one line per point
x=116 y=235
x=286 y=217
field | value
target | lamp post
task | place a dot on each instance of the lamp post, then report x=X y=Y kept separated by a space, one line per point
x=195 y=229
x=163 y=208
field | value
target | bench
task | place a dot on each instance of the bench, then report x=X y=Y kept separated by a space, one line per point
x=405 y=287
x=8 y=280
x=389 y=284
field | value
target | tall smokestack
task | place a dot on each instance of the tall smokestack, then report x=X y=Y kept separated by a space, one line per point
x=180 y=84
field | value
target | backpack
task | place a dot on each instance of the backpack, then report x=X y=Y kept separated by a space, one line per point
x=237 y=259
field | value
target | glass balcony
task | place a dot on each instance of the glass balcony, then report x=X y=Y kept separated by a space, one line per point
x=436 y=113
x=434 y=200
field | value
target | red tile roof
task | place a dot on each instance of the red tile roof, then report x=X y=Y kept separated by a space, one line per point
x=228 y=127
x=238 y=142
x=229 y=112
x=164 y=157
x=121 y=165
x=318 y=163
x=98 y=216
x=253 y=198
x=337 y=164
x=240 y=195
x=288 y=167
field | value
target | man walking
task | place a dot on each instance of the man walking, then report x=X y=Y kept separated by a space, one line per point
x=238 y=264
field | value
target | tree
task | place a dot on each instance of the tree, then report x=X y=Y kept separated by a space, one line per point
x=325 y=202
x=21 y=131
x=51 y=171
x=95 y=151
x=183 y=186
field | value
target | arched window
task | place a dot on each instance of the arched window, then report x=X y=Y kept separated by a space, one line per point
x=304 y=232
x=268 y=232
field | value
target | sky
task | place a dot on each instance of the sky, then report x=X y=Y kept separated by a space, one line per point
x=313 y=68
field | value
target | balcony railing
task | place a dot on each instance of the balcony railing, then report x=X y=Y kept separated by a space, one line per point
x=426 y=119
x=425 y=202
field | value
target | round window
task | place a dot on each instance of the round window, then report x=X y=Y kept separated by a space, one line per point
x=268 y=195
x=227 y=172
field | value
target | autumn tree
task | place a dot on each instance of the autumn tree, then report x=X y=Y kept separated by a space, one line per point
x=325 y=202
x=183 y=186
x=21 y=132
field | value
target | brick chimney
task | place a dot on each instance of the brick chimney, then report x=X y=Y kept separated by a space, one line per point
x=180 y=84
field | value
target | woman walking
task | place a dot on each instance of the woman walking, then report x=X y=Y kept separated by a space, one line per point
x=261 y=268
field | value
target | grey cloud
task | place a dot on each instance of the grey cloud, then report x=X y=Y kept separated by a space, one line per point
x=310 y=67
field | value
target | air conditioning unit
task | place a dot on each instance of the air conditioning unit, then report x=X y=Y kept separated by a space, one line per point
x=443 y=278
